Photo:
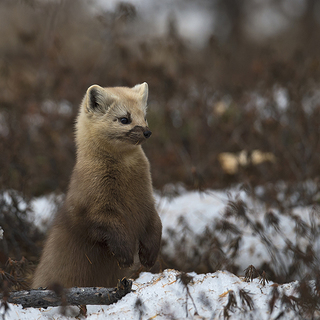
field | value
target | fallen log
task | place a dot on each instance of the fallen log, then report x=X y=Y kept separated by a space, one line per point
x=43 y=298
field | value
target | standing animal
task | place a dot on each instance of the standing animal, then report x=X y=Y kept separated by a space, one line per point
x=109 y=213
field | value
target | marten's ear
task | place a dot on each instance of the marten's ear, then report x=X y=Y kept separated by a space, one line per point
x=143 y=90
x=98 y=99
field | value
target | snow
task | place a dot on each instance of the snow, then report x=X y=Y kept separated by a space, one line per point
x=43 y=209
x=40 y=210
x=163 y=296
x=188 y=216
x=194 y=23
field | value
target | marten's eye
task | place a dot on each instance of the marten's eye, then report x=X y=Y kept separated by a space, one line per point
x=124 y=120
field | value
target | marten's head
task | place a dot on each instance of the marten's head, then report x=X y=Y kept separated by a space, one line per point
x=114 y=116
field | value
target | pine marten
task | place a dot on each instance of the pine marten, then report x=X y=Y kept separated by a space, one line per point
x=109 y=213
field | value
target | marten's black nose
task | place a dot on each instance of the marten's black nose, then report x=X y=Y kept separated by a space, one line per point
x=147 y=134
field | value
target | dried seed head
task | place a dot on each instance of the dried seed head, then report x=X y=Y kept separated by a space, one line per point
x=184 y=278
x=263 y=278
x=272 y=220
x=246 y=299
x=232 y=301
x=274 y=297
x=250 y=273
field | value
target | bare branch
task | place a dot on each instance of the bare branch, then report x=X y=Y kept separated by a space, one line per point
x=40 y=298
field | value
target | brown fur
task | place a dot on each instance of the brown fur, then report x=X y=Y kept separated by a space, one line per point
x=109 y=214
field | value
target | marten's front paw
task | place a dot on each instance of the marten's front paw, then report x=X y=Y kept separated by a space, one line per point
x=147 y=257
x=125 y=262
x=122 y=248
x=124 y=256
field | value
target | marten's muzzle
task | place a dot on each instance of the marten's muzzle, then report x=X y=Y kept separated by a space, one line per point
x=138 y=134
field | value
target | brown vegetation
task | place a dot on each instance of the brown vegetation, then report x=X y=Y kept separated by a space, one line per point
x=234 y=93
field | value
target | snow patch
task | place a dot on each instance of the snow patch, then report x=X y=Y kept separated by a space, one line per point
x=163 y=296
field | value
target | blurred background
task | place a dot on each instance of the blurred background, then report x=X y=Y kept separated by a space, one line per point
x=234 y=95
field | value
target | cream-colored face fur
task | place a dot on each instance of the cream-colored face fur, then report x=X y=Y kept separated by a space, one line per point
x=114 y=115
